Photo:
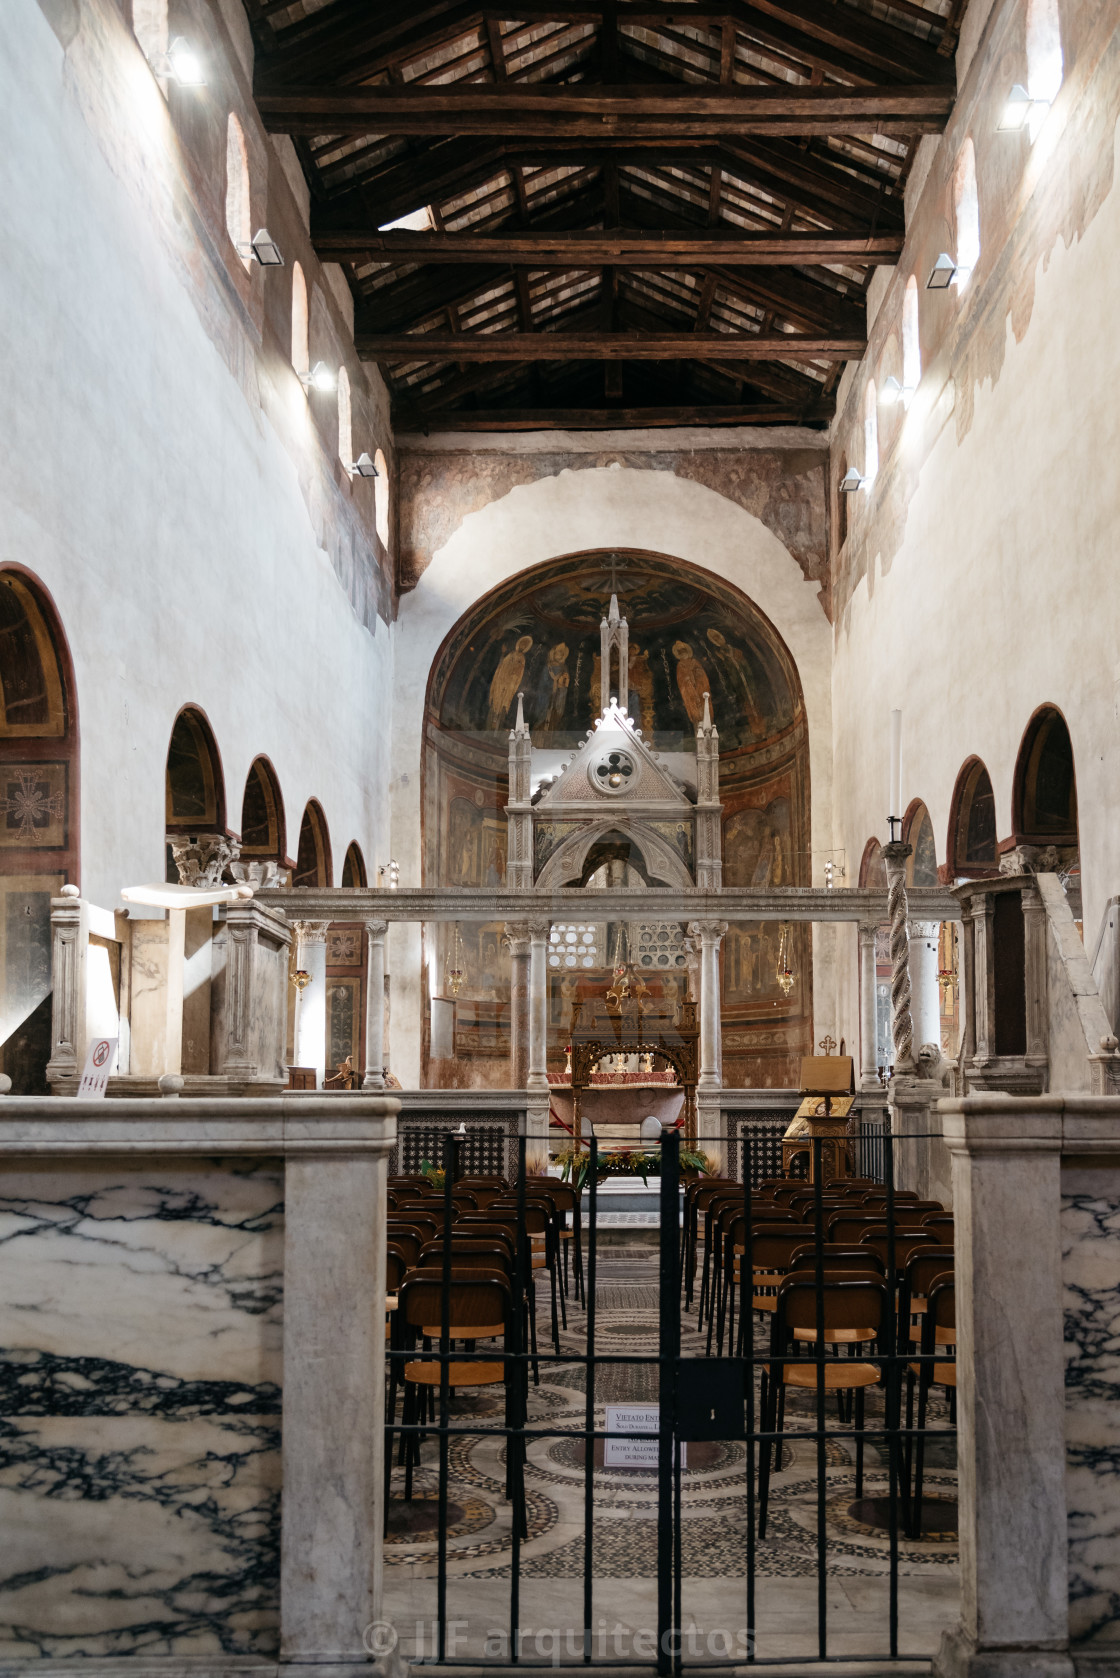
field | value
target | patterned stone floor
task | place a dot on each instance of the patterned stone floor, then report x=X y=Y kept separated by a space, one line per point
x=713 y=1532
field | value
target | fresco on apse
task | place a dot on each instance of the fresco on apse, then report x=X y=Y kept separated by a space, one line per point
x=690 y=634
x=684 y=642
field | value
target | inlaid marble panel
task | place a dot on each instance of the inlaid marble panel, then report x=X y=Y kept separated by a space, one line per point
x=1091 y=1282
x=140 y=1368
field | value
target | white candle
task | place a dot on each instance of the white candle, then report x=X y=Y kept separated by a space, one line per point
x=896 y=765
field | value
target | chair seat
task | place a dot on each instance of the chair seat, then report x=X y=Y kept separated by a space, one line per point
x=838 y=1336
x=943 y=1336
x=944 y=1374
x=476 y=1331
x=839 y=1374
x=765 y=1301
x=390 y=1302
x=458 y=1374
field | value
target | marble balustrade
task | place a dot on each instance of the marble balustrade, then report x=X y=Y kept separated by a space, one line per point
x=1036 y=1185
x=191 y=1298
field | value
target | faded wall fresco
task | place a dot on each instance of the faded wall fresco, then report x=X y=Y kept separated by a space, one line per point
x=786 y=488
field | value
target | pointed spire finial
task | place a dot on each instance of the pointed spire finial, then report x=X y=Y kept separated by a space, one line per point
x=519 y=725
x=706 y=719
x=612 y=614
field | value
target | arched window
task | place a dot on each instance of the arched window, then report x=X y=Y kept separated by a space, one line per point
x=301 y=354
x=381 y=499
x=1044 y=59
x=972 y=828
x=38 y=819
x=149 y=25
x=195 y=790
x=870 y=434
x=345 y=422
x=238 y=208
x=1044 y=797
x=354 y=867
x=313 y=858
x=262 y=813
x=911 y=340
x=966 y=213
x=917 y=831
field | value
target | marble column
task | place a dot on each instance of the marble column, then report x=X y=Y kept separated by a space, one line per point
x=311 y=1031
x=517 y=937
x=1036 y=980
x=375 y=1005
x=537 y=1080
x=334 y=1395
x=69 y=940
x=868 y=1033
x=902 y=1023
x=1011 y=1447
x=925 y=998
x=710 y=1081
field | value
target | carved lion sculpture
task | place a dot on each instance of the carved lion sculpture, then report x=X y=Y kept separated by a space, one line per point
x=932 y=1064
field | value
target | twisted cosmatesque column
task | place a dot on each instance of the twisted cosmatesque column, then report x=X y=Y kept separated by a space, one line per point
x=902 y=1024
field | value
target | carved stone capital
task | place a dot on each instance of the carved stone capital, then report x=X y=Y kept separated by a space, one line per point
x=263 y=874
x=708 y=931
x=925 y=929
x=310 y=932
x=376 y=930
x=202 y=861
x=539 y=930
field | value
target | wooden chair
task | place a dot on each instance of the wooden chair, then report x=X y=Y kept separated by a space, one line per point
x=923 y=1268
x=942 y=1224
x=568 y=1204
x=425 y=1224
x=857 y=1305
x=847 y=1227
x=479 y=1306
x=905 y=1242
x=541 y=1220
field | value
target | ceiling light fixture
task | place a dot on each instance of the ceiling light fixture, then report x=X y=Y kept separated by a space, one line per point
x=850 y=482
x=942 y=274
x=320 y=378
x=364 y=467
x=184 y=63
x=1016 y=111
x=264 y=247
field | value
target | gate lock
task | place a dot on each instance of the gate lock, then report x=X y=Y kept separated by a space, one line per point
x=710 y=1398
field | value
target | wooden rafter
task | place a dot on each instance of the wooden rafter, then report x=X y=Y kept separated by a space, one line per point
x=643 y=212
x=510 y=109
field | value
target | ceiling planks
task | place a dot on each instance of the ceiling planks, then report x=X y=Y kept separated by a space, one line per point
x=618 y=212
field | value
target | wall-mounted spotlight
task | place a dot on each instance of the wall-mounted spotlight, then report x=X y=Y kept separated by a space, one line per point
x=1018 y=110
x=363 y=467
x=184 y=63
x=264 y=247
x=850 y=482
x=890 y=391
x=320 y=378
x=942 y=274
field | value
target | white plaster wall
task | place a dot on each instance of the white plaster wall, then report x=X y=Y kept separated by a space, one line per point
x=151 y=496
x=611 y=506
x=1004 y=593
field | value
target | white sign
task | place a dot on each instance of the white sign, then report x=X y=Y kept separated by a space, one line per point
x=634 y=1453
x=99 y=1064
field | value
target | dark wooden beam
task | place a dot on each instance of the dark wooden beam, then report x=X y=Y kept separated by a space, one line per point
x=607 y=419
x=521 y=109
x=602 y=346
x=729 y=248
x=352 y=40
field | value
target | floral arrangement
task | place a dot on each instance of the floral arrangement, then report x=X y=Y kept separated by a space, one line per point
x=575 y=1164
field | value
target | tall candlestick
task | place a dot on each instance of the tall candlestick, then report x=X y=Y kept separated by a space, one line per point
x=896 y=765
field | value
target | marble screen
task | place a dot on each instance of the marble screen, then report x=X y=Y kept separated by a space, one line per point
x=140 y=1372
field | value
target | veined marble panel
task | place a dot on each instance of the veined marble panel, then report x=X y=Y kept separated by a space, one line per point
x=1091 y=1285
x=140 y=1367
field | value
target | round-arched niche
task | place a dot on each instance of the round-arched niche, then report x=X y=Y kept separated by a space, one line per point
x=690 y=634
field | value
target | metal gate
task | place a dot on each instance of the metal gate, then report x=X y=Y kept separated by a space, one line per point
x=712 y=1374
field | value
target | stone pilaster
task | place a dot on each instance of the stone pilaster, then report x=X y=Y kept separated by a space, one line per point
x=375 y=1005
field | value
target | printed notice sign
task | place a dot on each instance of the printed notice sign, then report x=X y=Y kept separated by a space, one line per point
x=634 y=1453
x=99 y=1063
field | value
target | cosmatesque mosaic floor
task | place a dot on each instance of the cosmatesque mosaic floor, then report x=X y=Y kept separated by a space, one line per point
x=714 y=1521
